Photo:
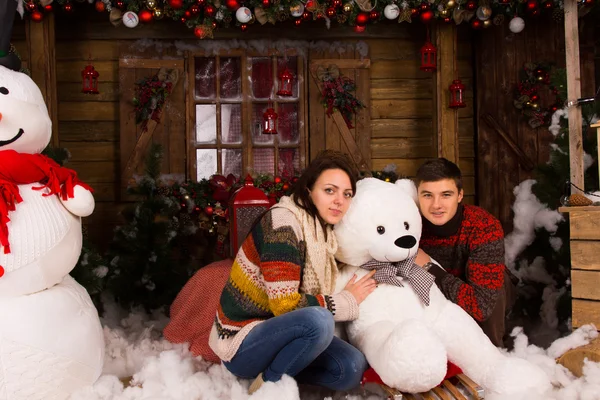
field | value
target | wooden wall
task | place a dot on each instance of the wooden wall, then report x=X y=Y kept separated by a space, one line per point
x=402 y=100
x=500 y=55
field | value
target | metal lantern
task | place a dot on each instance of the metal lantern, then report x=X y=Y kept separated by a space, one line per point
x=457 y=90
x=269 y=122
x=285 y=83
x=428 y=57
x=247 y=204
x=90 y=80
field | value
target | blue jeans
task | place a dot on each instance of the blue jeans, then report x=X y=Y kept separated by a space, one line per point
x=300 y=344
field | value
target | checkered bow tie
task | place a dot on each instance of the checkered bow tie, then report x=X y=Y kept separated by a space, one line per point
x=387 y=272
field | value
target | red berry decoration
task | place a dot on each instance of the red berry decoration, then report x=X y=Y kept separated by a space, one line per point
x=209 y=10
x=176 y=4
x=424 y=6
x=145 y=16
x=476 y=24
x=244 y=27
x=285 y=186
x=298 y=22
x=548 y=4
x=68 y=7
x=374 y=16
x=100 y=6
x=414 y=11
x=48 y=8
x=362 y=19
x=37 y=16
x=277 y=179
x=471 y=5
x=266 y=3
x=532 y=5
x=232 y=5
x=426 y=16
x=200 y=2
x=209 y=210
x=306 y=15
x=194 y=9
x=330 y=12
x=120 y=4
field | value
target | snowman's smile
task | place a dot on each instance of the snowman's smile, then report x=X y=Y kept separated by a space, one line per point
x=9 y=141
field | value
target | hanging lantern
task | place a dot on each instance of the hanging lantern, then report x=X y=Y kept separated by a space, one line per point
x=270 y=118
x=457 y=90
x=90 y=80
x=285 y=83
x=428 y=57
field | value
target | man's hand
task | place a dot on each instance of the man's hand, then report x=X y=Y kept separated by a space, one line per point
x=363 y=287
x=422 y=258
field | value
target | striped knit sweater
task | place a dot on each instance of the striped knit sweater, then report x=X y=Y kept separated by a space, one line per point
x=473 y=258
x=268 y=278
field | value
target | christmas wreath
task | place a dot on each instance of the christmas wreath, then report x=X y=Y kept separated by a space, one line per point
x=336 y=92
x=537 y=78
x=151 y=94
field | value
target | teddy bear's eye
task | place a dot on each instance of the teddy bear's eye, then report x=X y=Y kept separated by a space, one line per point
x=3 y=90
x=406 y=226
x=380 y=230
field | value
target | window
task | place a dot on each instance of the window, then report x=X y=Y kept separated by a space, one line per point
x=229 y=97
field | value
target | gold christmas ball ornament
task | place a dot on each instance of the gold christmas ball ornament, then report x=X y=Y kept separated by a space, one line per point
x=151 y=4
x=348 y=7
x=297 y=9
x=158 y=13
x=450 y=3
x=444 y=13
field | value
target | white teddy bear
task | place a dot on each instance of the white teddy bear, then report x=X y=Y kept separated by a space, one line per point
x=406 y=341
x=51 y=340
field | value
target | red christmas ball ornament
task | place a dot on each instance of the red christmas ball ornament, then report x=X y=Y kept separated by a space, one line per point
x=30 y=6
x=471 y=5
x=298 y=21
x=476 y=24
x=48 y=8
x=194 y=9
x=532 y=5
x=277 y=179
x=535 y=97
x=266 y=3
x=120 y=4
x=285 y=186
x=306 y=15
x=447 y=20
x=68 y=7
x=210 y=10
x=337 y=3
x=199 y=32
x=200 y=2
x=424 y=6
x=588 y=2
x=145 y=16
x=244 y=27
x=209 y=210
x=414 y=12
x=37 y=16
x=362 y=18
x=548 y=5
x=360 y=28
x=100 y=6
x=426 y=16
x=330 y=12
x=374 y=16
x=187 y=14
x=176 y=4
x=232 y=5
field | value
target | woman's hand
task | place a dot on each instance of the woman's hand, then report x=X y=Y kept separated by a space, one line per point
x=363 y=287
x=422 y=258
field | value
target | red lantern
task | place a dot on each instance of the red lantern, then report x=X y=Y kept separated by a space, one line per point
x=270 y=118
x=90 y=80
x=37 y=16
x=246 y=205
x=145 y=16
x=285 y=83
x=428 y=57
x=456 y=94
x=362 y=19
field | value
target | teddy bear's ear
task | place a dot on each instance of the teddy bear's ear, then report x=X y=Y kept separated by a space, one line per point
x=409 y=187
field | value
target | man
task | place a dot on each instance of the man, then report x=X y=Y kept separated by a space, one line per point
x=467 y=244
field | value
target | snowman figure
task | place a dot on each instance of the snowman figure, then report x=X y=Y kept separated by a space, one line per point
x=51 y=340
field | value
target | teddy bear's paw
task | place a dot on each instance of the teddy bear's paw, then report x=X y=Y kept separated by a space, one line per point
x=515 y=378
x=412 y=359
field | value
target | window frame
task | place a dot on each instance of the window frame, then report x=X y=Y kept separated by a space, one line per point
x=247 y=101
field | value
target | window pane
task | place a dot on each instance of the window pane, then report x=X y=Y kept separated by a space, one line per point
x=264 y=161
x=231 y=160
x=205 y=77
x=287 y=123
x=292 y=65
x=230 y=78
x=206 y=123
x=206 y=163
x=231 y=123
x=261 y=79
x=289 y=162
x=257 y=124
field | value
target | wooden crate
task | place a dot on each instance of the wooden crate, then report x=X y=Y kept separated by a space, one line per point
x=585 y=264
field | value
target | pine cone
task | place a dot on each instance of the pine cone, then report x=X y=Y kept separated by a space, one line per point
x=342 y=18
x=579 y=200
x=163 y=190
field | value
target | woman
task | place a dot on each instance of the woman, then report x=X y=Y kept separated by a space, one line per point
x=277 y=311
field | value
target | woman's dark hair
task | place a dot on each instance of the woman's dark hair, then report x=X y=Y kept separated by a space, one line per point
x=439 y=169
x=327 y=159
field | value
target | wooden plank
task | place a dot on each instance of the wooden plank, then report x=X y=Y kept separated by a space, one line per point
x=408 y=166
x=107 y=213
x=71 y=91
x=441 y=393
x=571 y=209
x=22 y=47
x=585 y=284
x=573 y=93
x=77 y=50
x=585 y=225
x=95 y=171
x=42 y=64
x=584 y=254
x=418 y=108
x=383 y=89
x=402 y=148
x=88 y=111
x=466 y=147
x=585 y=312
x=362 y=130
x=398 y=49
x=70 y=71
x=408 y=127
x=342 y=63
x=524 y=160
x=150 y=63
x=452 y=389
x=409 y=69
x=104 y=191
x=92 y=151
x=317 y=118
x=88 y=131
x=346 y=135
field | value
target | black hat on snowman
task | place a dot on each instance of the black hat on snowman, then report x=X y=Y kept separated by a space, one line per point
x=8 y=9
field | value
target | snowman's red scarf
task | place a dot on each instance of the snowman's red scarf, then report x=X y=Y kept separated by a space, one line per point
x=21 y=169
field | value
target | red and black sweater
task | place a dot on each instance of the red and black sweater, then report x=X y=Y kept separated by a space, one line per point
x=470 y=247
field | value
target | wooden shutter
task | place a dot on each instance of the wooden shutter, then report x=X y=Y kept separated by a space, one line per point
x=332 y=132
x=170 y=132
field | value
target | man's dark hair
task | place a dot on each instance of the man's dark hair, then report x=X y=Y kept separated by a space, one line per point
x=437 y=170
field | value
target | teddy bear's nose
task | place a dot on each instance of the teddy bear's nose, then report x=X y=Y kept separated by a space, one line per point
x=406 y=241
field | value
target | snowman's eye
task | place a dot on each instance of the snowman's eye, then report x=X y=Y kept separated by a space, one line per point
x=3 y=90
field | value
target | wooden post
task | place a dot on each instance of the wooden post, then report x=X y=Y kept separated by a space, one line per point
x=573 y=93
x=446 y=119
x=42 y=64
x=597 y=126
